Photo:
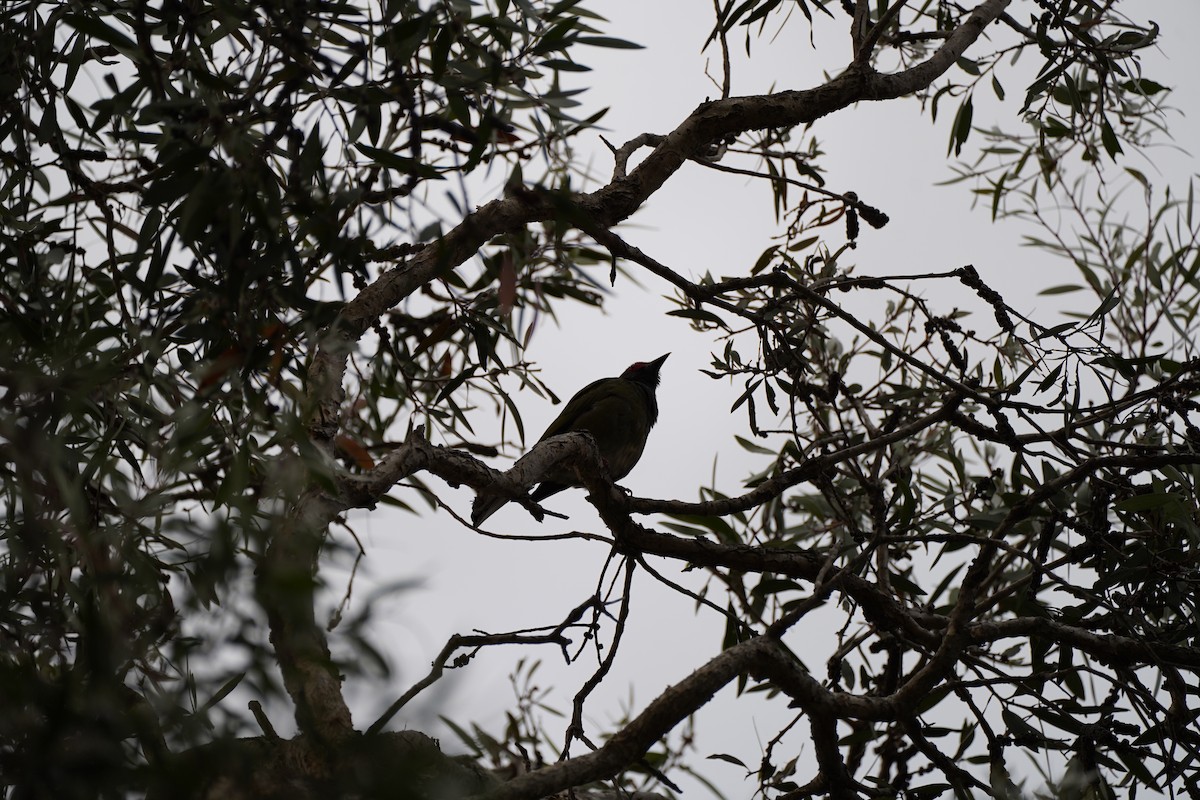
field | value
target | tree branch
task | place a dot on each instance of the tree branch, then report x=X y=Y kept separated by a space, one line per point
x=293 y=551
x=629 y=744
x=284 y=584
x=898 y=84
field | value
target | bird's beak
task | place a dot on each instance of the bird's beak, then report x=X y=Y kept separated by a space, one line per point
x=658 y=362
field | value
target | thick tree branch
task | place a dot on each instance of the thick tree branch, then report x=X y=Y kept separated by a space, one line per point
x=761 y=658
x=950 y=636
x=622 y=197
x=877 y=605
x=293 y=555
x=818 y=464
x=578 y=452
x=284 y=582
x=1108 y=648
x=898 y=84
x=629 y=744
x=566 y=452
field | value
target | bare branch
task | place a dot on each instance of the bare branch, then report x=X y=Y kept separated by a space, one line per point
x=622 y=154
x=455 y=643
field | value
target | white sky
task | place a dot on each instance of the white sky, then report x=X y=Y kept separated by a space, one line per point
x=700 y=221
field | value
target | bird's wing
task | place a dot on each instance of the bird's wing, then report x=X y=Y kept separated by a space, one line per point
x=582 y=402
x=614 y=412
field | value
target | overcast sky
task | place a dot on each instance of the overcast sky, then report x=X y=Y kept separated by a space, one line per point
x=701 y=221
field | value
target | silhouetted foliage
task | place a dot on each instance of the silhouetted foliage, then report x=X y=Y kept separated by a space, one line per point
x=246 y=280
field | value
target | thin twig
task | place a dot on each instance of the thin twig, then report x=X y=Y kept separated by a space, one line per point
x=724 y=51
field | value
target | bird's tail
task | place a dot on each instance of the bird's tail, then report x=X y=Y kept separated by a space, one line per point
x=484 y=506
x=487 y=504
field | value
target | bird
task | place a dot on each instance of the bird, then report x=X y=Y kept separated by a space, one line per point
x=618 y=413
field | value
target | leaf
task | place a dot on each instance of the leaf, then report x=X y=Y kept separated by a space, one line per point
x=764 y=260
x=356 y=452
x=717 y=525
x=227 y=687
x=1003 y=787
x=1135 y=762
x=1055 y=128
x=685 y=530
x=148 y=235
x=1111 y=301
x=904 y=584
x=1139 y=176
x=464 y=737
x=968 y=65
x=401 y=164
x=1019 y=727
x=1143 y=86
x=750 y=387
x=754 y=448
x=932 y=699
x=457 y=381
x=1147 y=502
x=1061 y=289
x=1050 y=379
x=803 y=244
x=507 y=294
x=1108 y=138
x=698 y=314
x=1128 y=367
x=562 y=65
x=1055 y=331
x=727 y=757
x=94 y=27
x=762 y=11
x=608 y=41
x=962 y=126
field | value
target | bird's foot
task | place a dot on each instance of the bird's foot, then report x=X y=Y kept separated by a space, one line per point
x=538 y=512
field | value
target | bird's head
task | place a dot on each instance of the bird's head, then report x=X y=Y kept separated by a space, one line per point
x=645 y=371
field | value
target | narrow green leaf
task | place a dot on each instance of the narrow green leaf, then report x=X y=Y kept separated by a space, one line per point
x=608 y=41
x=1109 y=138
x=727 y=757
x=698 y=314
x=962 y=126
